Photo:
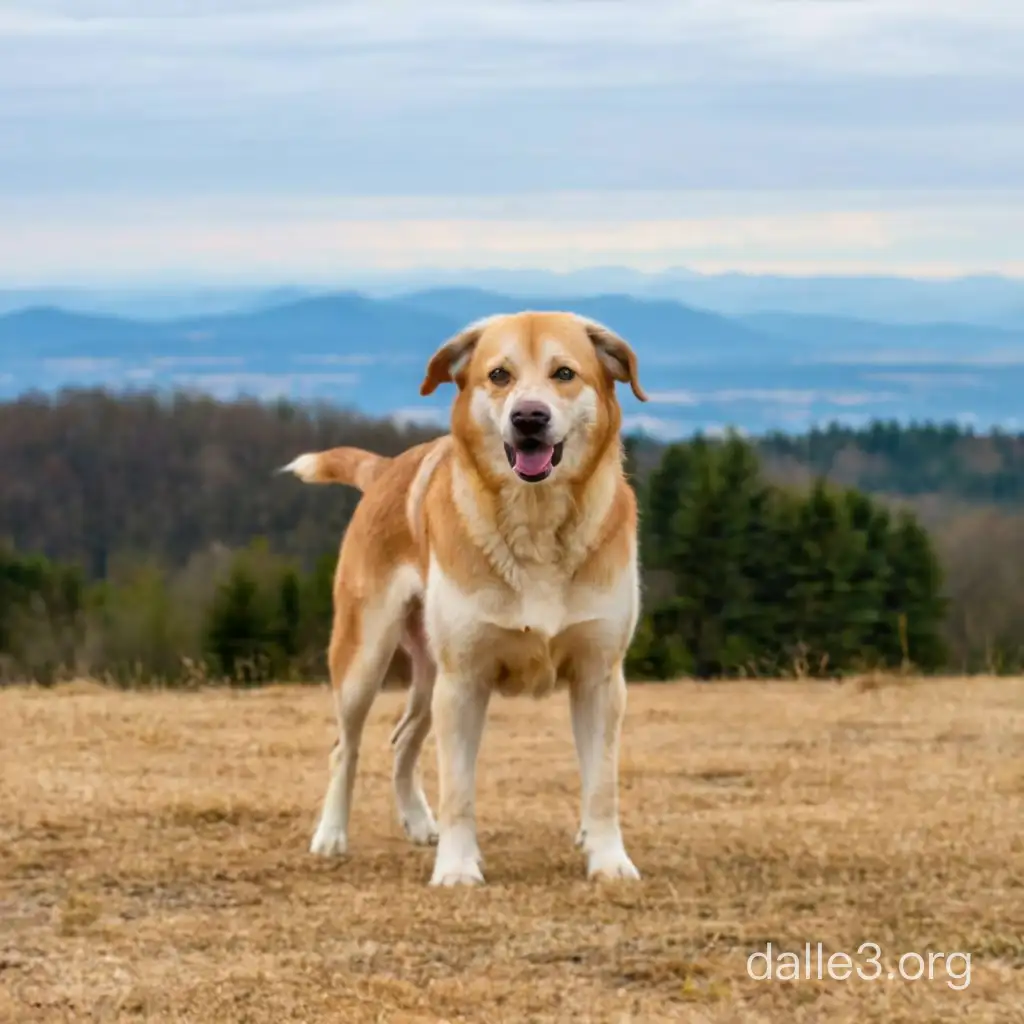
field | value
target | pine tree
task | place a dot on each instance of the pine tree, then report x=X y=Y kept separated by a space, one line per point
x=707 y=529
x=289 y=618
x=914 y=602
x=870 y=580
x=661 y=502
x=239 y=627
x=42 y=606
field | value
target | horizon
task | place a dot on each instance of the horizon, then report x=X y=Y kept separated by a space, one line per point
x=439 y=278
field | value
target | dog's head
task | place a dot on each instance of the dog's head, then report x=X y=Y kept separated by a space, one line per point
x=536 y=391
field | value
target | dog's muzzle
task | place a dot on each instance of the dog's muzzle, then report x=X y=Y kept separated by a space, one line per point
x=532 y=455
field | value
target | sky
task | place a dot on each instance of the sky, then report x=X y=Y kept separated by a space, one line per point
x=259 y=139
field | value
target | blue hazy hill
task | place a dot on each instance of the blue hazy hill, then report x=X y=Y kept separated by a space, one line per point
x=987 y=300
x=704 y=370
x=46 y=333
x=978 y=300
x=341 y=324
x=848 y=335
x=350 y=323
x=668 y=329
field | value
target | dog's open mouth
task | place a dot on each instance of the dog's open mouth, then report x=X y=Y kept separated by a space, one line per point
x=532 y=460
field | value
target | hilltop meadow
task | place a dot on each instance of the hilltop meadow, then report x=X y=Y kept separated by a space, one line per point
x=155 y=866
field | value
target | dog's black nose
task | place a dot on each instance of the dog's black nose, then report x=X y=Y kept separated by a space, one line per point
x=531 y=418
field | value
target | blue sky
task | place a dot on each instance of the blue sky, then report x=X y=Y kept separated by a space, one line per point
x=238 y=138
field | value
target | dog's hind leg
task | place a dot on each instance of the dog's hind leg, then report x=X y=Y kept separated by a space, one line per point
x=409 y=735
x=363 y=641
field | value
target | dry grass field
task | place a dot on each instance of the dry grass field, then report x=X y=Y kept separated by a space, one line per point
x=153 y=861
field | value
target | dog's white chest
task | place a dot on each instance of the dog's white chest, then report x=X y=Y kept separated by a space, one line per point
x=546 y=604
x=543 y=607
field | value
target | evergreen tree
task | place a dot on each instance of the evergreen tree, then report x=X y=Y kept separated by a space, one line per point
x=42 y=606
x=663 y=500
x=914 y=603
x=289 y=614
x=240 y=628
x=707 y=521
x=824 y=552
x=870 y=580
x=763 y=581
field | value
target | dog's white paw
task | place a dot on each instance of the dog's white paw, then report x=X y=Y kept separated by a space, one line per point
x=458 y=858
x=419 y=825
x=329 y=841
x=611 y=863
x=452 y=873
x=606 y=855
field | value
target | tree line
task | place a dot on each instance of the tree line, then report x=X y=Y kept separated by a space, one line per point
x=147 y=539
x=745 y=578
x=243 y=617
x=911 y=460
x=88 y=477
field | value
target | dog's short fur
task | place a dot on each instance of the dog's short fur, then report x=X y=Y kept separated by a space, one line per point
x=502 y=557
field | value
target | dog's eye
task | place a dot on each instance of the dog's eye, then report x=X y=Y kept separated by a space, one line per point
x=564 y=373
x=499 y=376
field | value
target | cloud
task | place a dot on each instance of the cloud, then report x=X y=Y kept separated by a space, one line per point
x=654 y=426
x=929 y=379
x=676 y=397
x=81 y=365
x=571 y=94
x=355 y=359
x=999 y=356
x=947 y=235
x=791 y=397
x=862 y=37
x=416 y=416
x=177 y=362
x=238 y=104
x=263 y=385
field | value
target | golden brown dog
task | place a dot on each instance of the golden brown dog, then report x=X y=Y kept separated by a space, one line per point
x=502 y=557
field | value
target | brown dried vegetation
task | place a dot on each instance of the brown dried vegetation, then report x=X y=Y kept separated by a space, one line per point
x=153 y=860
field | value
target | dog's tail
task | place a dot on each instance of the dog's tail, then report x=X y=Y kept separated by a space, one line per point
x=351 y=466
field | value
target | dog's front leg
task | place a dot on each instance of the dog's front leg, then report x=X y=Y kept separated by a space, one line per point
x=459 y=709
x=598 y=706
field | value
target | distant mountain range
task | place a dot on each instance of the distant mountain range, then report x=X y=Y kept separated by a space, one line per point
x=990 y=301
x=984 y=300
x=759 y=370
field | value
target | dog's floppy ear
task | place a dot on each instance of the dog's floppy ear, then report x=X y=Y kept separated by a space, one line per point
x=616 y=355
x=452 y=356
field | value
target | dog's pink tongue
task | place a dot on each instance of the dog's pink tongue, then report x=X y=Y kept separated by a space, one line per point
x=534 y=463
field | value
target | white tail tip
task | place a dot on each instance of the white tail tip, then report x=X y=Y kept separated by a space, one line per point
x=304 y=467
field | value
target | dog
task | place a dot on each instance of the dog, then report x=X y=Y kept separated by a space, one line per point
x=503 y=558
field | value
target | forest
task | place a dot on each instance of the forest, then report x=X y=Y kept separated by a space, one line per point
x=920 y=459
x=147 y=539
